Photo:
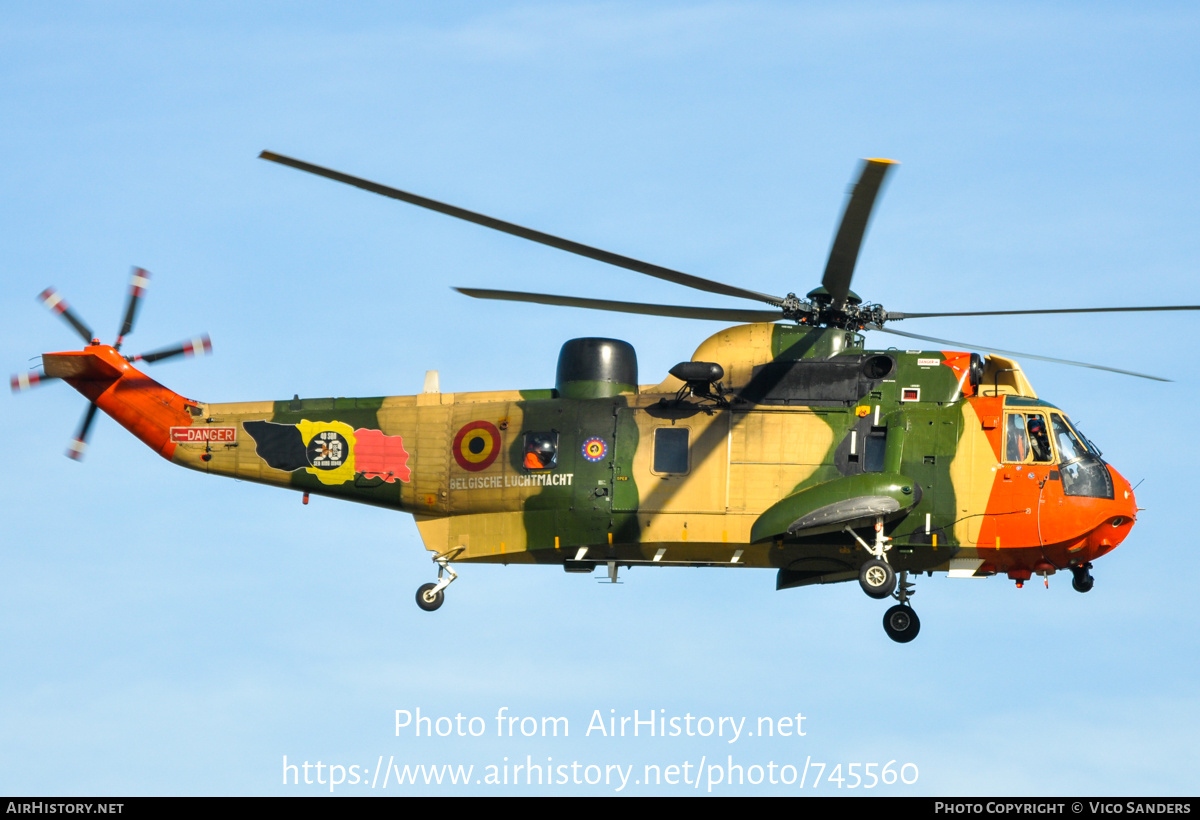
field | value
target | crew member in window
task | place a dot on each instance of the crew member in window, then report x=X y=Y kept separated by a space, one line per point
x=1039 y=439
x=540 y=451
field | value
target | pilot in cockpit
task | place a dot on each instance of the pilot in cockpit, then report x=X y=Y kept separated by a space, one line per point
x=1039 y=439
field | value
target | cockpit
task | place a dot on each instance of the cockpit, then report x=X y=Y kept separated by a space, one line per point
x=1044 y=435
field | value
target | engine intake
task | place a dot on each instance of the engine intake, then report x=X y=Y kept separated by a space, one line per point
x=596 y=368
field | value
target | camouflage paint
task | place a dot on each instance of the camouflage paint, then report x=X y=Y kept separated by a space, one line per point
x=616 y=504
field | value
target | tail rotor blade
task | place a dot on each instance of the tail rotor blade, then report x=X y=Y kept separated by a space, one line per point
x=137 y=289
x=199 y=346
x=51 y=299
x=20 y=382
x=79 y=444
x=843 y=256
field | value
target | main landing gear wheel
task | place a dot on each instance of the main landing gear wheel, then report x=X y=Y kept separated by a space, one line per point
x=1082 y=580
x=901 y=624
x=877 y=578
x=431 y=596
x=429 y=600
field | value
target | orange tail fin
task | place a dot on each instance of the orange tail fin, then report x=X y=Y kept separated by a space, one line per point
x=138 y=403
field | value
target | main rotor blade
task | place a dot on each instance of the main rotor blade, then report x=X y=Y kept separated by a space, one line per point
x=580 y=249
x=896 y=316
x=675 y=311
x=50 y=298
x=78 y=444
x=138 y=281
x=843 y=256
x=1022 y=355
x=200 y=346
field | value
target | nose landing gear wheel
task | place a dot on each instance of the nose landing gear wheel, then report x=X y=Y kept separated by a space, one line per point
x=429 y=600
x=877 y=578
x=901 y=624
x=1082 y=580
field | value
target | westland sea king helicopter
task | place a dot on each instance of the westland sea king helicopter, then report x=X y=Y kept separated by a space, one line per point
x=783 y=442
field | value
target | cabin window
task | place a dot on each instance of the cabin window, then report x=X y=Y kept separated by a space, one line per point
x=671 y=450
x=541 y=451
x=1026 y=439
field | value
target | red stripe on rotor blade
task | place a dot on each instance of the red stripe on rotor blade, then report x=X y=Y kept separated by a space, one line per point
x=25 y=381
x=52 y=300
x=138 y=282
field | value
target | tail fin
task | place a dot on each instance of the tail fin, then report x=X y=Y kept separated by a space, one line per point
x=138 y=403
x=84 y=367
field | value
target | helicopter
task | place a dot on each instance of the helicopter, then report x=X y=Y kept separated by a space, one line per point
x=782 y=443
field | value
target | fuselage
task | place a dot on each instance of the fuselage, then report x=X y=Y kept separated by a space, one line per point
x=811 y=439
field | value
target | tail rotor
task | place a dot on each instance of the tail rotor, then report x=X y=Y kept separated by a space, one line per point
x=139 y=280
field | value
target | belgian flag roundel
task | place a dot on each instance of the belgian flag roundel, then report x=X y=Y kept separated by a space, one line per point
x=476 y=445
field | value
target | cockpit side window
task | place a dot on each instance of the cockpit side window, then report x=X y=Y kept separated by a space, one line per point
x=1083 y=472
x=1027 y=441
x=1069 y=446
x=1016 y=447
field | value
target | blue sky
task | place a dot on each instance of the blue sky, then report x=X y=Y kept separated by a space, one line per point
x=163 y=632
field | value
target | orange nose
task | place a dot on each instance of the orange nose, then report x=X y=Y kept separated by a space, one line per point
x=1113 y=529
